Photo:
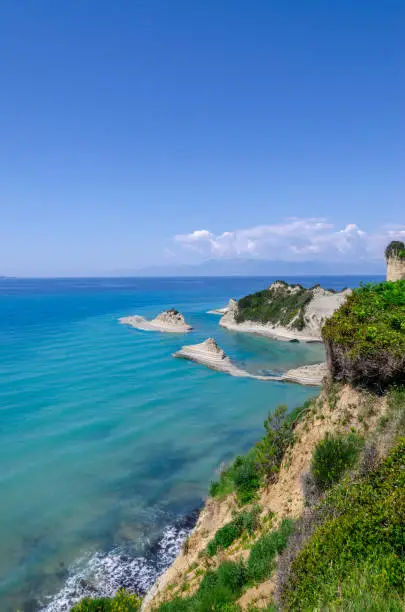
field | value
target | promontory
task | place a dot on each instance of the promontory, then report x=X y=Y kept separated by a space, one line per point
x=284 y=312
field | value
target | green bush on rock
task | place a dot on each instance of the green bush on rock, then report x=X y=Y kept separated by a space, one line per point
x=226 y=535
x=261 y=561
x=262 y=463
x=365 y=338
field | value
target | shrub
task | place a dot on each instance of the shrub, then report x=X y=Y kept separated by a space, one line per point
x=396 y=248
x=246 y=478
x=333 y=456
x=219 y=587
x=122 y=602
x=261 y=561
x=365 y=338
x=241 y=476
x=361 y=535
x=269 y=452
x=226 y=535
x=262 y=464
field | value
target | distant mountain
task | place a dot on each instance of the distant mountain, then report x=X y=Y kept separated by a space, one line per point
x=256 y=267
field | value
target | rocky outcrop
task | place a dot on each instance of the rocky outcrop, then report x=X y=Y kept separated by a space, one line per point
x=395 y=258
x=221 y=311
x=208 y=353
x=171 y=321
x=306 y=321
x=396 y=269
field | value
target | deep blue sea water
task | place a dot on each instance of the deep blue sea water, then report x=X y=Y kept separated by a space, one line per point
x=107 y=443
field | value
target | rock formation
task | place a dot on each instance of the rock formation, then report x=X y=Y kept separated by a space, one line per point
x=395 y=258
x=171 y=321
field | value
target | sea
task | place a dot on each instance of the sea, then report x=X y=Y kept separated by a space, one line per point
x=107 y=443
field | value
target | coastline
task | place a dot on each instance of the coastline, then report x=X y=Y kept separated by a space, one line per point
x=269 y=331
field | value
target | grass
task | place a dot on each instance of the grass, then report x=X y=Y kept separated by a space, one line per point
x=263 y=553
x=221 y=588
x=243 y=522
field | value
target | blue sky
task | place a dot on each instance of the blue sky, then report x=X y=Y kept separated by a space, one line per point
x=158 y=132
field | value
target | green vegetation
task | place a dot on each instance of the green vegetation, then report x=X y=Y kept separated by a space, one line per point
x=262 y=464
x=122 y=602
x=261 y=563
x=396 y=248
x=360 y=542
x=365 y=338
x=243 y=522
x=242 y=477
x=333 y=456
x=281 y=304
x=221 y=588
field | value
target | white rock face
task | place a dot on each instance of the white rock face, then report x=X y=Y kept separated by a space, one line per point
x=221 y=311
x=170 y=321
x=322 y=305
x=395 y=269
x=208 y=353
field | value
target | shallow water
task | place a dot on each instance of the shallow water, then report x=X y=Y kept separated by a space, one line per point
x=106 y=441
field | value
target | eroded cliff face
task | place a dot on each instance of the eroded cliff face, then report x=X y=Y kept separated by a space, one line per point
x=395 y=269
x=338 y=408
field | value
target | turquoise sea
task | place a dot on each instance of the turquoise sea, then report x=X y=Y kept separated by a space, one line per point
x=107 y=443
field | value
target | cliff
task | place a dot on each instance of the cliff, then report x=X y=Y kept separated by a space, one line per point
x=235 y=529
x=313 y=516
x=395 y=258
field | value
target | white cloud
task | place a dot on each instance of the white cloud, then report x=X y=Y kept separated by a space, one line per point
x=293 y=239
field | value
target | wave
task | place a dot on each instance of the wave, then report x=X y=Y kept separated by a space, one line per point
x=102 y=574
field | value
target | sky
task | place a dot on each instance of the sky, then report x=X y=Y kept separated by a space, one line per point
x=143 y=133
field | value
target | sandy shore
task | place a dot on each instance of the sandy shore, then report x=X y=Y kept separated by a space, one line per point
x=170 y=321
x=208 y=353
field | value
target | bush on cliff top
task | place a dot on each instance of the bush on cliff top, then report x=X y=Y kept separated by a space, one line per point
x=396 y=248
x=365 y=338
